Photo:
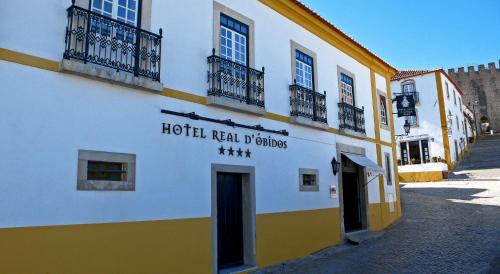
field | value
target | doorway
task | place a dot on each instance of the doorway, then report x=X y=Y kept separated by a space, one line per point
x=229 y=220
x=233 y=218
x=353 y=196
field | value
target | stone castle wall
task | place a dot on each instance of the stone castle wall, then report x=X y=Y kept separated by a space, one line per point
x=481 y=85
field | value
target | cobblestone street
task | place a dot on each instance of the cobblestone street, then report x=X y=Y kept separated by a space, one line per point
x=448 y=227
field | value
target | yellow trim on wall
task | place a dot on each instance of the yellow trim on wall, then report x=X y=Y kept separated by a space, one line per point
x=298 y=15
x=173 y=246
x=376 y=120
x=393 y=146
x=184 y=96
x=28 y=60
x=427 y=176
x=444 y=120
x=285 y=236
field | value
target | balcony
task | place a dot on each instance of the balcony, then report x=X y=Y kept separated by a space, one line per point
x=308 y=107
x=235 y=86
x=352 y=119
x=103 y=47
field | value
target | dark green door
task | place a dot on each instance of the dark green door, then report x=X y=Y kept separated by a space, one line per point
x=229 y=220
x=352 y=201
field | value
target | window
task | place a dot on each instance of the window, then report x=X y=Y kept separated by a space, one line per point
x=308 y=179
x=383 y=110
x=460 y=103
x=408 y=86
x=415 y=152
x=105 y=171
x=304 y=70
x=346 y=89
x=122 y=10
x=458 y=124
x=455 y=97
x=388 y=169
x=447 y=90
x=412 y=120
x=233 y=40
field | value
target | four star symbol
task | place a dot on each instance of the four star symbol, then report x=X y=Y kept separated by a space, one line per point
x=231 y=151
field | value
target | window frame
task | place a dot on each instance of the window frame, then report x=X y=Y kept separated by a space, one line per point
x=385 y=102
x=308 y=188
x=447 y=89
x=388 y=169
x=83 y=184
x=413 y=125
x=234 y=43
x=296 y=47
x=340 y=71
x=115 y=6
x=423 y=158
x=304 y=64
x=219 y=11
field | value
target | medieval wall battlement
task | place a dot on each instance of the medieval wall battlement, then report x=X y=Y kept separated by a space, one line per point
x=481 y=90
x=472 y=69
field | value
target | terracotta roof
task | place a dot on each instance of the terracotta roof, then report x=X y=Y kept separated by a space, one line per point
x=411 y=73
x=402 y=74
x=332 y=26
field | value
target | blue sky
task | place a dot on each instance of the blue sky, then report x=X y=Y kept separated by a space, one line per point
x=420 y=34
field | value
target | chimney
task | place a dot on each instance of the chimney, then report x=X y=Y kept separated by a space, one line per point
x=461 y=70
x=470 y=68
x=481 y=68
x=451 y=71
x=491 y=66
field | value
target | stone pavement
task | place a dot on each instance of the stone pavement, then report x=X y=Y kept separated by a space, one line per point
x=447 y=227
x=482 y=162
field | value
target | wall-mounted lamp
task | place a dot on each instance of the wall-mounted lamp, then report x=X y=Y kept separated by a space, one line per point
x=407 y=127
x=335 y=166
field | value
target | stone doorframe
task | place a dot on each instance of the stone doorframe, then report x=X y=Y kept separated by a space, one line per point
x=249 y=215
x=362 y=175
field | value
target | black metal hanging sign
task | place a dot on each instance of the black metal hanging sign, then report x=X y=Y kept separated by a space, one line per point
x=230 y=142
x=405 y=104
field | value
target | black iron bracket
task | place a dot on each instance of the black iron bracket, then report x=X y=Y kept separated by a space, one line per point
x=227 y=122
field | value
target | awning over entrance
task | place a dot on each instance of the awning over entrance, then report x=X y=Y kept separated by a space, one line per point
x=361 y=160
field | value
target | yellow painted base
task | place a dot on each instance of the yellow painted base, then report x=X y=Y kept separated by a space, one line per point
x=285 y=236
x=429 y=176
x=173 y=246
x=380 y=215
x=178 y=246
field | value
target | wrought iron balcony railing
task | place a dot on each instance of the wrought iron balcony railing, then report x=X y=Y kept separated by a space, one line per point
x=308 y=103
x=94 y=38
x=351 y=117
x=232 y=80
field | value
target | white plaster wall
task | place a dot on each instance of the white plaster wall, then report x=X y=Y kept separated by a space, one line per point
x=187 y=43
x=48 y=116
x=429 y=121
x=456 y=133
x=381 y=83
x=390 y=190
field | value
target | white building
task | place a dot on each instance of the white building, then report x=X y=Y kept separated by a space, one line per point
x=118 y=164
x=438 y=134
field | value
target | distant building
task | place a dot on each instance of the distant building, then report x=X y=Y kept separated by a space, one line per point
x=438 y=135
x=481 y=90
